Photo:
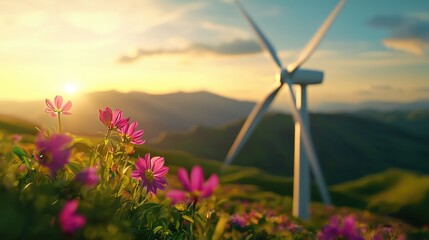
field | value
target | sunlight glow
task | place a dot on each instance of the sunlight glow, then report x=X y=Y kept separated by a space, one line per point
x=70 y=88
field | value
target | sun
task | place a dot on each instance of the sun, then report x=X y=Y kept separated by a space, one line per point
x=70 y=88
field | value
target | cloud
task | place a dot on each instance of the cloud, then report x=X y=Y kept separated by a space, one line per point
x=378 y=89
x=407 y=33
x=230 y=48
x=385 y=88
x=423 y=89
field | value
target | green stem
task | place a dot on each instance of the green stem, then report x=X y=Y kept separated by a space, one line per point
x=60 y=129
x=107 y=134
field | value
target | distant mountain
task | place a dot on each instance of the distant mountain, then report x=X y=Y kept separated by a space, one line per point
x=381 y=106
x=348 y=146
x=416 y=121
x=155 y=113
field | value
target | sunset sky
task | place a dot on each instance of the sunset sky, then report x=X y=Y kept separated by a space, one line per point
x=376 y=50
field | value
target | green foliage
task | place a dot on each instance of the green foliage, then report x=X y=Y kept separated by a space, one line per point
x=119 y=207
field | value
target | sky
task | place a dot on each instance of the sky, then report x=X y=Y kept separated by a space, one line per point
x=375 y=50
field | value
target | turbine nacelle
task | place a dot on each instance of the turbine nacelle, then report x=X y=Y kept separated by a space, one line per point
x=301 y=76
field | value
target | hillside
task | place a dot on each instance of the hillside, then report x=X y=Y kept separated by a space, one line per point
x=348 y=147
x=399 y=193
x=376 y=106
x=416 y=121
x=155 y=113
x=13 y=125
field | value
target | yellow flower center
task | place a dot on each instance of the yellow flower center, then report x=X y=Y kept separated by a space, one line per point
x=149 y=175
x=195 y=194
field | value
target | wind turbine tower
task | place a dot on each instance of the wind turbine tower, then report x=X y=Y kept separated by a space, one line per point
x=305 y=156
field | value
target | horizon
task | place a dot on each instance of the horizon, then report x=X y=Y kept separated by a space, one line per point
x=369 y=54
x=325 y=107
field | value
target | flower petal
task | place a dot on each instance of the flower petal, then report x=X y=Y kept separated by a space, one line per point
x=58 y=102
x=182 y=174
x=67 y=106
x=210 y=186
x=136 y=174
x=148 y=161
x=176 y=196
x=50 y=104
x=197 y=178
x=158 y=163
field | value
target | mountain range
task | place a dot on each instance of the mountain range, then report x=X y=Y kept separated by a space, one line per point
x=155 y=113
x=172 y=112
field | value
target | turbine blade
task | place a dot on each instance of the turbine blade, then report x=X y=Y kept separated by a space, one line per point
x=263 y=41
x=317 y=38
x=309 y=148
x=250 y=124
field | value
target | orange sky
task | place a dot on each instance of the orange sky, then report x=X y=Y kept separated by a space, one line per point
x=51 y=47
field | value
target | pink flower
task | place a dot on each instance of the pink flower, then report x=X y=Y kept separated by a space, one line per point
x=340 y=228
x=53 y=152
x=112 y=120
x=152 y=173
x=238 y=220
x=88 y=177
x=195 y=187
x=58 y=108
x=16 y=138
x=129 y=134
x=69 y=220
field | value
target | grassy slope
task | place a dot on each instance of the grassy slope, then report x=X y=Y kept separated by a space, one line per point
x=399 y=193
x=395 y=192
x=16 y=126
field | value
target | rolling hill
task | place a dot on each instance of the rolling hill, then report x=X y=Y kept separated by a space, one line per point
x=399 y=193
x=349 y=147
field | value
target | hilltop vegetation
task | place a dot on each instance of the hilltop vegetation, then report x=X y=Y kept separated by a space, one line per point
x=348 y=146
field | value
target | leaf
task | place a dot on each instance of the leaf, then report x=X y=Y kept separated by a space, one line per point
x=75 y=167
x=157 y=229
x=22 y=156
x=84 y=141
x=220 y=226
x=188 y=218
x=125 y=170
x=249 y=237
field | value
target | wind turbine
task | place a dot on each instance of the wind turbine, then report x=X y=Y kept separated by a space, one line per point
x=305 y=154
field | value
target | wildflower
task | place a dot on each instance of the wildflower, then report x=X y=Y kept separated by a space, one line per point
x=238 y=220
x=195 y=187
x=69 y=220
x=53 y=152
x=57 y=107
x=152 y=173
x=112 y=120
x=16 y=138
x=336 y=229
x=88 y=177
x=129 y=134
